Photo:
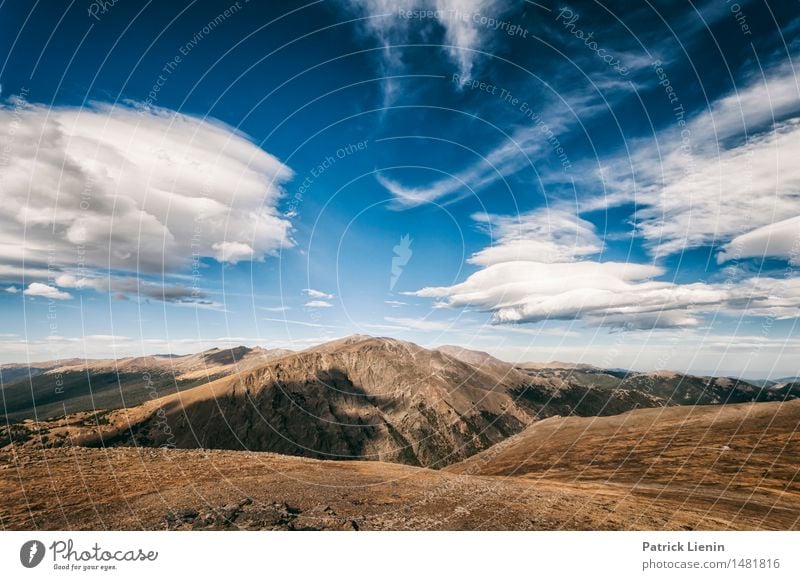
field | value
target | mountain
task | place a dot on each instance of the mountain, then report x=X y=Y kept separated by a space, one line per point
x=671 y=387
x=10 y=373
x=534 y=366
x=786 y=381
x=355 y=398
x=666 y=387
x=678 y=389
x=362 y=398
x=56 y=388
x=774 y=382
x=481 y=360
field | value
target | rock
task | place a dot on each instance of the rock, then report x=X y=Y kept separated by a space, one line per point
x=328 y=510
x=199 y=524
x=229 y=512
x=287 y=508
x=187 y=515
x=268 y=517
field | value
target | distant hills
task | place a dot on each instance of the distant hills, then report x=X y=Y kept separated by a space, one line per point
x=54 y=388
x=783 y=381
x=356 y=398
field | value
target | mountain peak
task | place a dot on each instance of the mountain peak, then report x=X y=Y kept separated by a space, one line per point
x=363 y=340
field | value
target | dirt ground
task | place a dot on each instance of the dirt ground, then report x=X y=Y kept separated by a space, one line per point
x=715 y=468
x=126 y=488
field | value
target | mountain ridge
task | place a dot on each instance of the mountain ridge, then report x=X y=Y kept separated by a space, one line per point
x=379 y=398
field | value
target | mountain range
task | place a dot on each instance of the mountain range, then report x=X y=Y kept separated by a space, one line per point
x=359 y=397
x=54 y=388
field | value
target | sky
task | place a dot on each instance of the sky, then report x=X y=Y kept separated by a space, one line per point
x=580 y=181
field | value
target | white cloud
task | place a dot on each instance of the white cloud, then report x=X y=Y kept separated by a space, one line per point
x=614 y=294
x=118 y=188
x=529 y=291
x=18 y=272
x=233 y=252
x=318 y=304
x=275 y=308
x=752 y=108
x=719 y=197
x=537 y=138
x=12 y=290
x=317 y=294
x=395 y=303
x=730 y=170
x=45 y=291
x=781 y=240
x=285 y=321
x=537 y=271
x=553 y=235
x=777 y=298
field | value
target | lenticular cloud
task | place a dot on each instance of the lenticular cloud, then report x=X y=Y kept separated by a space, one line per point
x=144 y=190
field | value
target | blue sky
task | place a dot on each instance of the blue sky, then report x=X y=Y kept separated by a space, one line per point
x=572 y=181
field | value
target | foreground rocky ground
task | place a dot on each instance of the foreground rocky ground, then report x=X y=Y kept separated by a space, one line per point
x=720 y=468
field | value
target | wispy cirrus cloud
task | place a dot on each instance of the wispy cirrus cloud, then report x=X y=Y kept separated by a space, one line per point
x=723 y=195
x=505 y=159
x=725 y=172
x=397 y=22
x=532 y=132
